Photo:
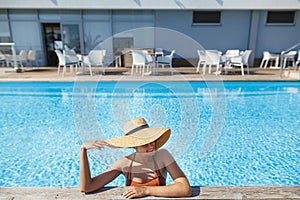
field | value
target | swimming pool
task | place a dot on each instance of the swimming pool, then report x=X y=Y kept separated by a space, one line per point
x=232 y=133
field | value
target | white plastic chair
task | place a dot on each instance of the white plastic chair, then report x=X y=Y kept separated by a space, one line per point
x=298 y=60
x=72 y=57
x=201 y=55
x=225 y=59
x=290 y=56
x=2 y=58
x=166 y=60
x=158 y=52
x=149 y=60
x=32 y=57
x=232 y=52
x=19 y=59
x=138 y=61
x=95 y=58
x=212 y=57
x=64 y=61
x=267 y=56
x=241 y=61
x=22 y=58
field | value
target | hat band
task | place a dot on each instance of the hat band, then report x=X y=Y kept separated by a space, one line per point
x=137 y=129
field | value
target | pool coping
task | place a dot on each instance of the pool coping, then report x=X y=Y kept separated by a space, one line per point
x=205 y=192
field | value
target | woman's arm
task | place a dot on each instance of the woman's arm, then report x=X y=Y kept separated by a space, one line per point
x=87 y=183
x=180 y=187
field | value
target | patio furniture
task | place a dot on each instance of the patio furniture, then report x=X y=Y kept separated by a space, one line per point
x=138 y=61
x=225 y=58
x=11 y=56
x=166 y=60
x=127 y=57
x=19 y=59
x=65 y=61
x=298 y=59
x=118 y=61
x=22 y=58
x=158 y=52
x=232 y=52
x=2 y=58
x=241 y=61
x=32 y=57
x=72 y=57
x=150 y=61
x=289 y=57
x=267 y=56
x=212 y=57
x=201 y=55
x=95 y=58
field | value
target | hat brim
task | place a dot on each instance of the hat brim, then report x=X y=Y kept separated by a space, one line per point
x=142 y=137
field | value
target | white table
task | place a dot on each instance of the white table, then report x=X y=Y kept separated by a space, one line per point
x=81 y=58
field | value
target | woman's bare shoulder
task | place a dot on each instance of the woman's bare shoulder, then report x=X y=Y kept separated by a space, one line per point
x=122 y=162
x=163 y=152
x=164 y=157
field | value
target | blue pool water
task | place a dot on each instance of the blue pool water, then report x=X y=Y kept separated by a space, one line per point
x=228 y=133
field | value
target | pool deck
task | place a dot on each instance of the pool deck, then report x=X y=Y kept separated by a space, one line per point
x=225 y=193
x=49 y=74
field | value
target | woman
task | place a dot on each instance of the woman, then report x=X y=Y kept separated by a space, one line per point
x=145 y=170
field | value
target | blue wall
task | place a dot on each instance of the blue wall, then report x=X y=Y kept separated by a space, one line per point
x=233 y=32
x=276 y=38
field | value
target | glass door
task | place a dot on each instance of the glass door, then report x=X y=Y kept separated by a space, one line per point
x=71 y=36
x=52 y=39
x=60 y=36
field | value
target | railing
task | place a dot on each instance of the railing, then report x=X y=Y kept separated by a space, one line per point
x=282 y=54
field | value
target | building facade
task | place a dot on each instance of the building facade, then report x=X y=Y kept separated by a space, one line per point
x=46 y=25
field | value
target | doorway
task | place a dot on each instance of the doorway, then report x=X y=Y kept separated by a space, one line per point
x=60 y=36
x=52 y=40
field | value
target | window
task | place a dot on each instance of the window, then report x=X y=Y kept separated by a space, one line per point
x=280 y=17
x=206 y=17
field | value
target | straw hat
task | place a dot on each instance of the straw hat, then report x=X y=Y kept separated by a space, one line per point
x=138 y=133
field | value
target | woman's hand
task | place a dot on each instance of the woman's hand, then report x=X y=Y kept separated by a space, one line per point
x=135 y=191
x=87 y=183
x=94 y=144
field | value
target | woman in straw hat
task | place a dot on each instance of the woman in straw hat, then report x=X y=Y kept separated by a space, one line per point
x=145 y=170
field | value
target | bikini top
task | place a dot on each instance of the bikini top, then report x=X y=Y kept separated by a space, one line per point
x=159 y=179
